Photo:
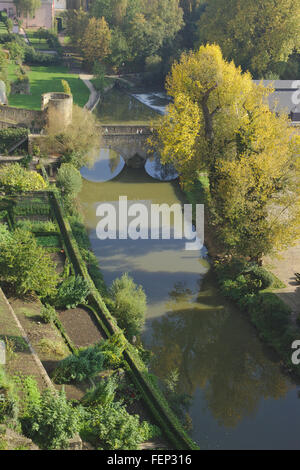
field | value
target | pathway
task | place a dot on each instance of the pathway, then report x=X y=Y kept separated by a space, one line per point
x=94 y=95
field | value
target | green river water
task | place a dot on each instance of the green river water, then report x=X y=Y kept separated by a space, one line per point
x=240 y=397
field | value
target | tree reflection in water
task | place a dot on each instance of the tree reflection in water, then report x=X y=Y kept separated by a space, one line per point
x=215 y=348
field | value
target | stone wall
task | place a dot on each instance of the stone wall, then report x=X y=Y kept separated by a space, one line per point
x=57 y=106
x=22 y=117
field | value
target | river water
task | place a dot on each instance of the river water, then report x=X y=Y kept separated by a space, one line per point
x=240 y=397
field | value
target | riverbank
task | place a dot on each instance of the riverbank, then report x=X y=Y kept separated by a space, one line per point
x=257 y=292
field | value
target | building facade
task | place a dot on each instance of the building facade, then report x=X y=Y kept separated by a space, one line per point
x=43 y=17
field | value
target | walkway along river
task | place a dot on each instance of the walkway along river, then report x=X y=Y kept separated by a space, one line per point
x=240 y=397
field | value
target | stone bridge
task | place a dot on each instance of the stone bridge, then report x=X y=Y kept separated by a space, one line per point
x=128 y=141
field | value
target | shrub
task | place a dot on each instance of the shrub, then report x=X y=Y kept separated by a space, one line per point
x=262 y=275
x=69 y=180
x=15 y=178
x=51 y=421
x=130 y=305
x=33 y=57
x=101 y=394
x=26 y=265
x=112 y=427
x=48 y=313
x=269 y=314
x=86 y=363
x=71 y=292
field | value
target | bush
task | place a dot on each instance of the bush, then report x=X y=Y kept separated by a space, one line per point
x=129 y=306
x=111 y=427
x=48 y=313
x=33 y=57
x=69 y=180
x=15 y=178
x=51 y=421
x=85 y=364
x=26 y=266
x=71 y=292
x=269 y=314
x=262 y=275
x=101 y=394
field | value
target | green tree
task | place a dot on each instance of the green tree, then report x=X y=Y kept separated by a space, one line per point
x=95 y=43
x=130 y=305
x=76 y=23
x=26 y=266
x=158 y=22
x=255 y=34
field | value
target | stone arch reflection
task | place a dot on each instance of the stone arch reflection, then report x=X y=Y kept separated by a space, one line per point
x=108 y=165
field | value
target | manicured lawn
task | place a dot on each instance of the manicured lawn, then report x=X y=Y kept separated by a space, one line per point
x=44 y=80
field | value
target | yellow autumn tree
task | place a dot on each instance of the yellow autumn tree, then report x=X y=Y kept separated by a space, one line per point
x=95 y=43
x=220 y=122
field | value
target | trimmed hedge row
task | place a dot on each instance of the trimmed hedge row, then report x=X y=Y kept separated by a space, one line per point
x=152 y=396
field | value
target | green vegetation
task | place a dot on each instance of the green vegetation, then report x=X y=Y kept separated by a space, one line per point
x=245 y=284
x=128 y=305
x=44 y=80
x=249 y=156
x=11 y=136
x=50 y=421
x=72 y=292
x=15 y=178
x=110 y=426
x=25 y=266
x=85 y=364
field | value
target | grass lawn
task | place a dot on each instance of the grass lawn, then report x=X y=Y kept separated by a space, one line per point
x=44 y=80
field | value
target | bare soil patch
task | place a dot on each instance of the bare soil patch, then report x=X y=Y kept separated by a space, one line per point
x=81 y=327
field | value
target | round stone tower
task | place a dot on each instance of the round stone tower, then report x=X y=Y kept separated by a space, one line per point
x=58 y=109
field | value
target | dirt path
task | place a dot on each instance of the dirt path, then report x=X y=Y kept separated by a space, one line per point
x=285 y=267
x=94 y=95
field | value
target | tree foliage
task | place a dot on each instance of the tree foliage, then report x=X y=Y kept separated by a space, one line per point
x=69 y=180
x=256 y=34
x=220 y=122
x=80 y=141
x=95 y=43
x=129 y=306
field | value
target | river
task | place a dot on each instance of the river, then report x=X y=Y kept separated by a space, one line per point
x=240 y=397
